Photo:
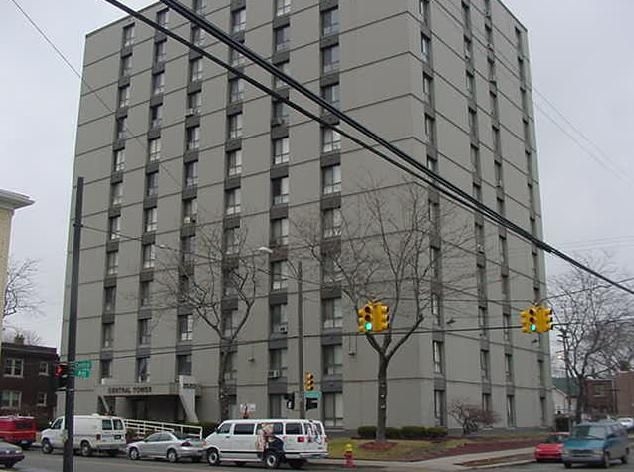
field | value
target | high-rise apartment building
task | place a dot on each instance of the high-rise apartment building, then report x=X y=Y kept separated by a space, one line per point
x=185 y=149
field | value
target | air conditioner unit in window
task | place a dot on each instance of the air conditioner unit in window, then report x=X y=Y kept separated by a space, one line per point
x=277 y=121
x=480 y=247
x=190 y=112
x=187 y=220
x=283 y=329
x=500 y=184
x=274 y=374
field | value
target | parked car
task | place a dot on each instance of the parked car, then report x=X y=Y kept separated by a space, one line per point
x=596 y=443
x=167 y=445
x=90 y=433
x=550 y=448
x=271 y=441
x=626 y=422
x=19 y=430
x=10 y=454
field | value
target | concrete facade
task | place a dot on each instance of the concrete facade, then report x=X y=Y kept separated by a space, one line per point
x=448 y=82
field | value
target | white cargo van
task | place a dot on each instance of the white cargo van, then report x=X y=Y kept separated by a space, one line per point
x=270 y=441
x=90 y=433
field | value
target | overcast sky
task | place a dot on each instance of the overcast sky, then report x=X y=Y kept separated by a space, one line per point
x=581 y=64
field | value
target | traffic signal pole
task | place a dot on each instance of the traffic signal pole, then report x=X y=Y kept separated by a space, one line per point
x=72 y=329
x=300 y=338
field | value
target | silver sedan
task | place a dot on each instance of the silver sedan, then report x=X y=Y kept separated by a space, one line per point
x=166 y=445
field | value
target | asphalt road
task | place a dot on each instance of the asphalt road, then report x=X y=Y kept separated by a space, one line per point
x=556 y=466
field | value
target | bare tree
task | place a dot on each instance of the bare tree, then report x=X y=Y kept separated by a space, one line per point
x=217 y=280
x=471 y=417
x=400 y=245
x=20 y=295
x=589 y=316
x=15 y=334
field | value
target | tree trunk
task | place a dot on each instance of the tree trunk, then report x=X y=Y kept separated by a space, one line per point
x=223 y=394
x=382 y=399
x=581 y=400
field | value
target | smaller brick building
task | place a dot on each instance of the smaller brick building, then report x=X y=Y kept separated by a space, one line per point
x=27 y=384
x=600 y=398
x=625 y=393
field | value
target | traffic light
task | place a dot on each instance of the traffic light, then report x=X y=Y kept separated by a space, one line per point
x=365 y=318
x=290 y=400
x=309 y=382
x=544 y=319
x=311 y=403
x=529 y=320
x=62 y=372
x=381 y=317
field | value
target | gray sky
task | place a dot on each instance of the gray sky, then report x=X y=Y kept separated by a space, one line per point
x=581 y=63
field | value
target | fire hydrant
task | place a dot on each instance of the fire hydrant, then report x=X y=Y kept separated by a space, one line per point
x=347 y=455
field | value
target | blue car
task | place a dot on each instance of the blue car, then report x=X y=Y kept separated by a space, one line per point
x=596 y=443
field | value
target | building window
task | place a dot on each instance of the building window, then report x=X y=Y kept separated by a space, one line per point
x=43 y=369
x=330 y=140
x=232 y=241
x=145 y=294
x=282 y=7
x=238 y=20
x=330 y=93
x=506 y=322
x=198 y=36
x=154 y=149
x=234 y=163
x=475 y=160
x=280 y=188
x=185 y=327
x=332 y=315
x=330 y=22
x=510 y=410
x=144 y=334
x=434 y=302
x=439 y=407
x=466 y=16
x=107 y=335
x=124 y=96
x=438 y=357
x=508 y=367
x=156 y=116
x=143 y=369
x=279 y=275
x=162 y=17
x=468 y=50
x=473 y=124
x=236 y=90
x=282 y=38
x=13 y=367
x=279 y=232
x=277 y=406
x=109 y=299
x=128 y=35
x=11 y=399
x=333 y=360
x=434 y=262
x=190 y=211
x=485 y=365
x=126 y=66
x=488 y=33
x=541 y=373
x=423 y=9
x=330 y=59
x=191 y=174
x=230 y=320
x=425 y=49
x=278 y=362
x=114 y=228
x=232 y=201
x=105 y=368
x=486 y=402
x=331 y=223
x=497 y=146
x=194 y=102
x=150 y=217
x=195 y=70
x=118 y=161
x=151 y=184
x=280 y=113
x=281 y=150
x=330 y=270
x=430 y=135
x=279 y=318
x=236 y=59
x=160 y=52
x=112 y=262
x=198 y=6
x=192 y=138
x=41 y=399
x=235 y=126
x=285 y=68
x=188 y=250
x=231 y=370
x=149 y=256
x=331 y=179
x=333 y=410
x=492 y=75
x=471 y=86
x=427 y=88
x=158 y=83
x=122 y=127
x=184 y=364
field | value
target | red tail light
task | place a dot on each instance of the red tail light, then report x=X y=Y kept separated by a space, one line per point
x=300 y=438
x=98 y=437
x=186 y=444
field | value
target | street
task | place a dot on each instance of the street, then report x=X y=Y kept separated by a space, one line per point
x=556 y=466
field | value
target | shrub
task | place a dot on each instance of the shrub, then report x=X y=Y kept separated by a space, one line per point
x=392 y=433
x=436 y=432
x=366 y=432
x=413 y=432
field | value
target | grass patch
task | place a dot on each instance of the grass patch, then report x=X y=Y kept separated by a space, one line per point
x=399 y=449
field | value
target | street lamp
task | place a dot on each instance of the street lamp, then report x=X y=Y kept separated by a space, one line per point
x=299 y=273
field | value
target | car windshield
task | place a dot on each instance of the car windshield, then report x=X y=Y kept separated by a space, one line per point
x=184 y=436
x=589 y=432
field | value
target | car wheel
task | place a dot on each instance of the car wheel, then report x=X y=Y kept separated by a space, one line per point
x=271 y=460
x=9 y=465
x=172 y=456
x=133 y=454
x=626 y=457
x=85 y=449
x=46 y=447
x=213 y=457
x=296 y=463
x=606 y=460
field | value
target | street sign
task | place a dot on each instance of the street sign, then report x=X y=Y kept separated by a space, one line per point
x=83 y=368
x=314 y=394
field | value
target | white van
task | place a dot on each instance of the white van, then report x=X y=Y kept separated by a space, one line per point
x=270 y=441
x=90 y=433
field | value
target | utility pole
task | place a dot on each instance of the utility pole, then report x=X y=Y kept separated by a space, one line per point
x=564 y=340
x=72 y=329
x=300 y=337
